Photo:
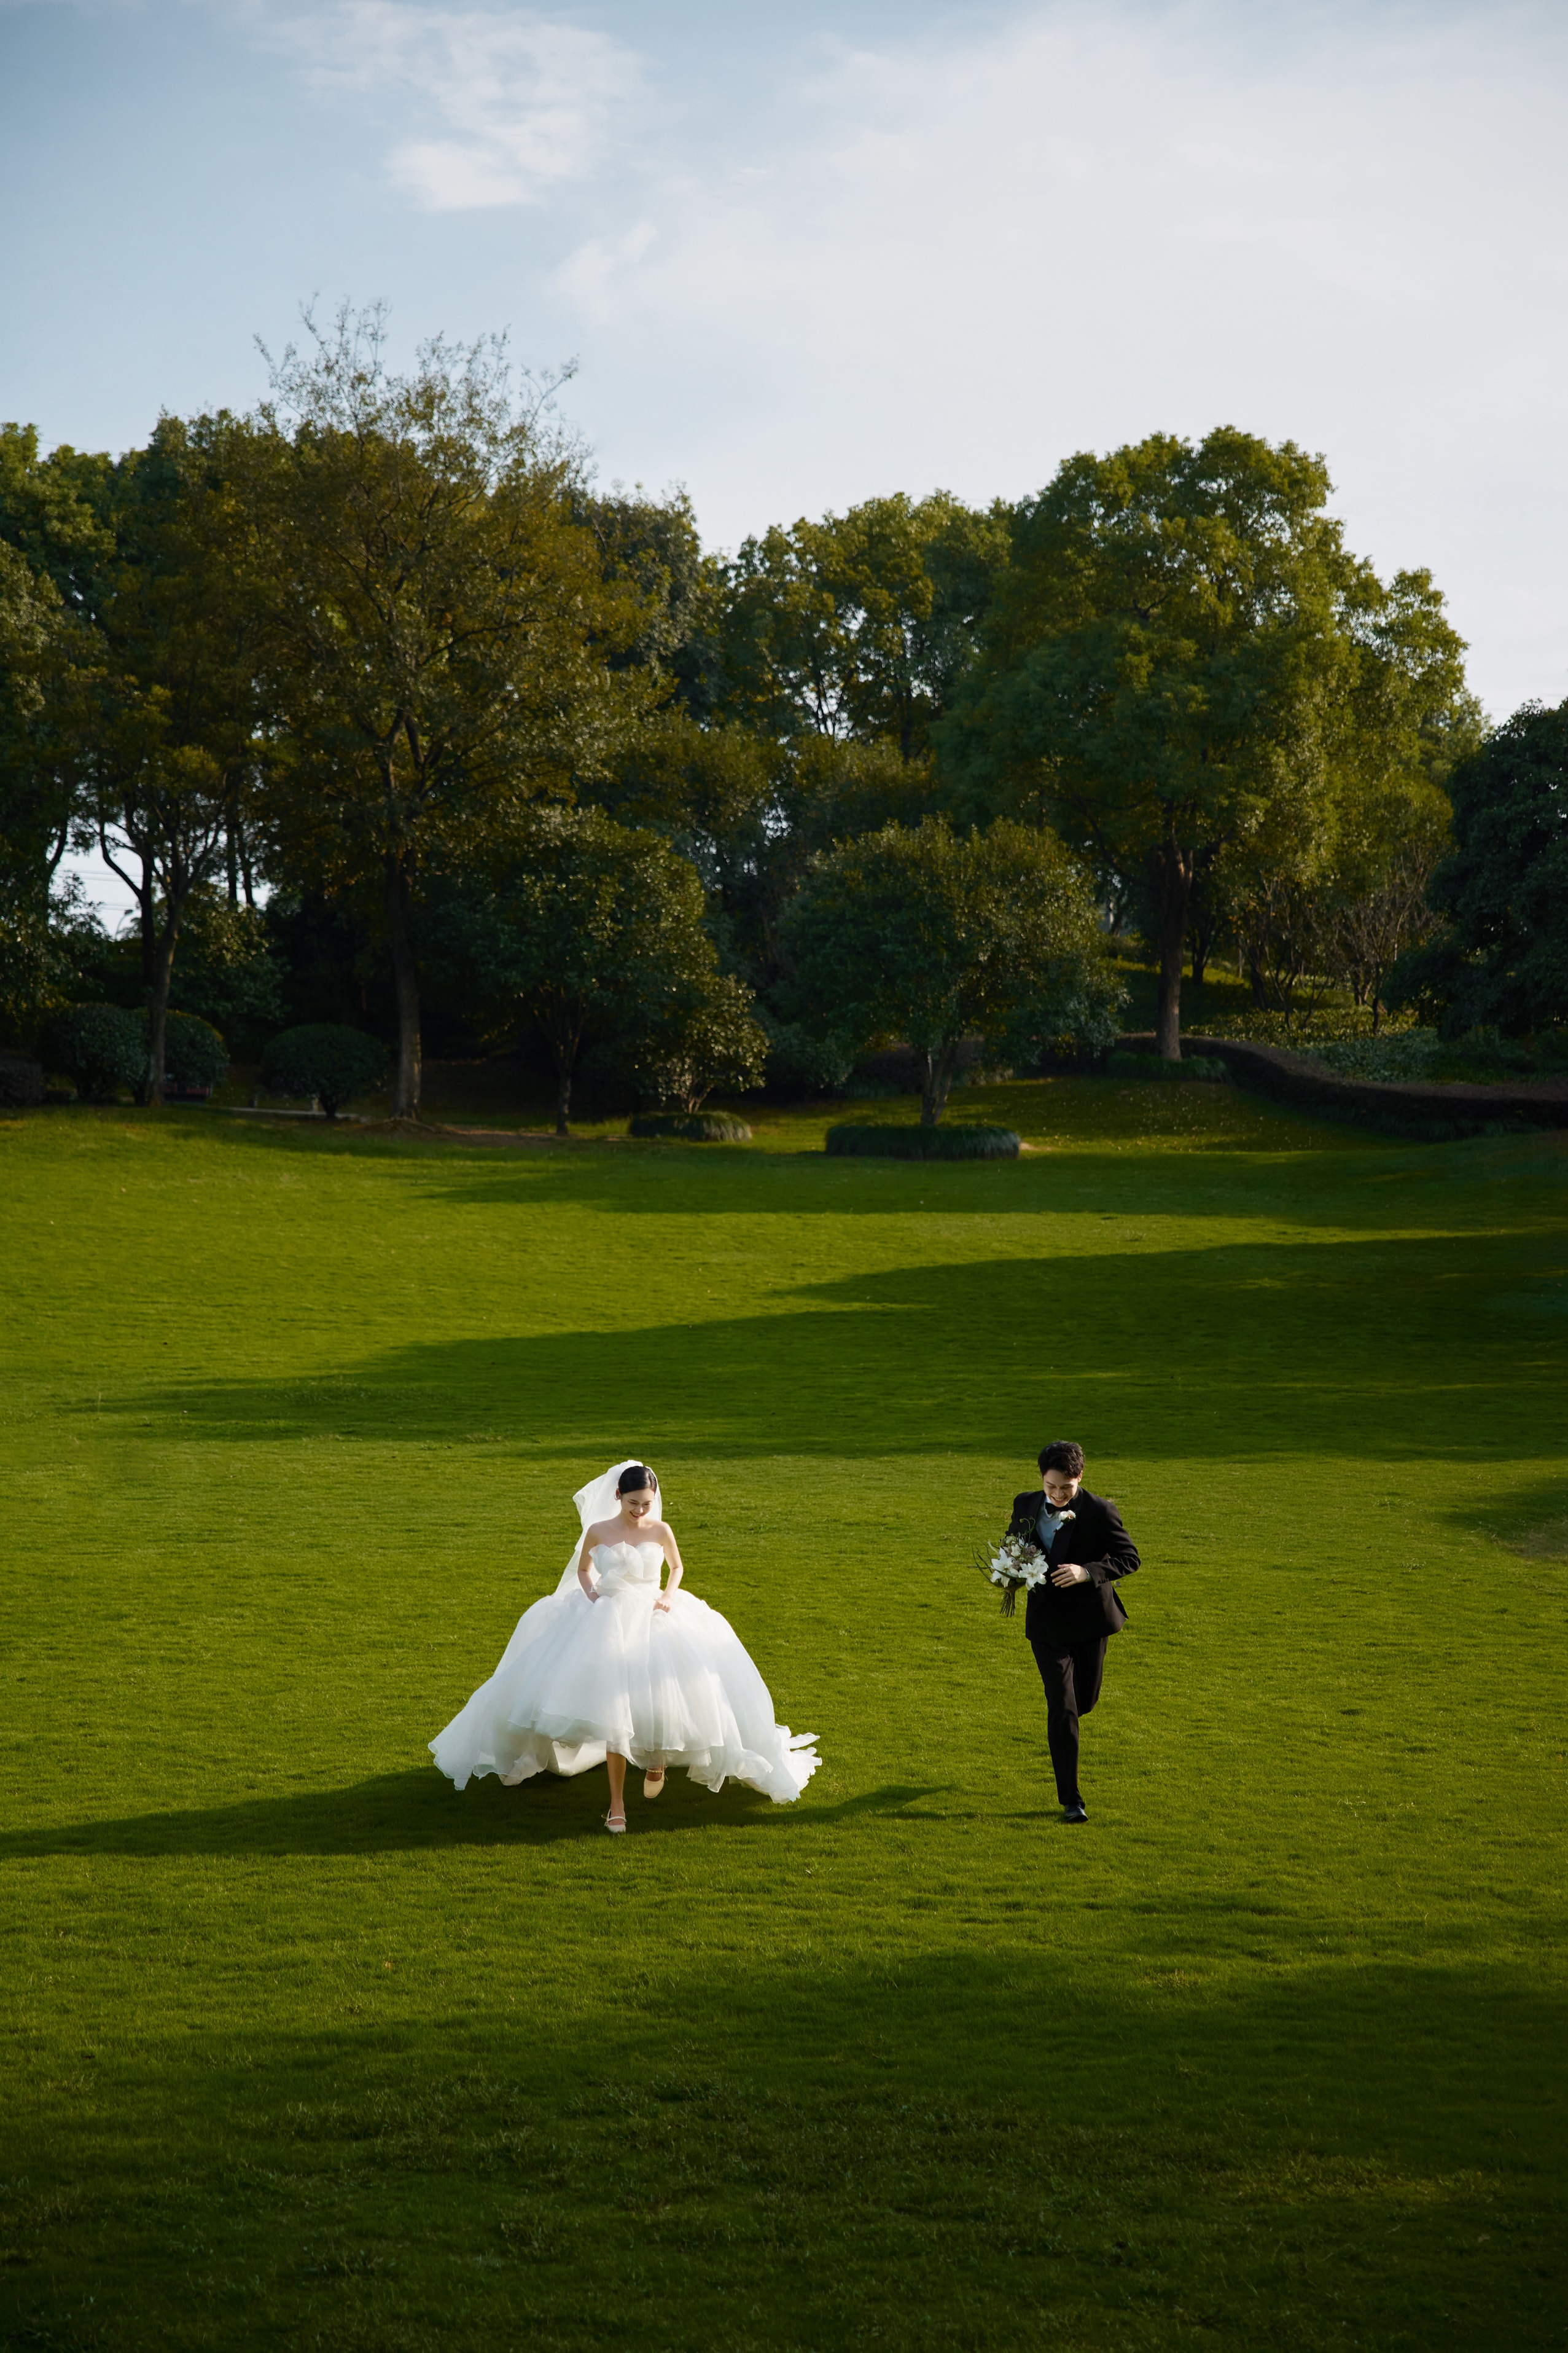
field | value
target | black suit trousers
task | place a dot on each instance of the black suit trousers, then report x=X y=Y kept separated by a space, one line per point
x=1072 y=1679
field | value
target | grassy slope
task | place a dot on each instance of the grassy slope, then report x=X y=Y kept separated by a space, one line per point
x=303 y=2049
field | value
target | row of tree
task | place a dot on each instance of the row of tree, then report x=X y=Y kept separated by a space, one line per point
x=379 y=655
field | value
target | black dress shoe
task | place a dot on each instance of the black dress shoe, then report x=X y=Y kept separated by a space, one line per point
x=1077 y=1812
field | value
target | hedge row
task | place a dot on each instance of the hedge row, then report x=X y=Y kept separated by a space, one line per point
x=1424 y=1113
x=693 y=1127
x=922 y=1143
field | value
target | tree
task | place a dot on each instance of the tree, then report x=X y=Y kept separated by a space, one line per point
x=856 y=626
x=932 y=937
x=227 y=973
x=598 y=937
x=1180 y=647
x=444 y=632
x=688 y=1030
x=46 y=649
x=57 y=548
x=179 y=739
x=325 y=1060
x=1390 y=845
x=1501 y=954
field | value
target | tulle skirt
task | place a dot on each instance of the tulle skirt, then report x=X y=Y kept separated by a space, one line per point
x=673 y=1688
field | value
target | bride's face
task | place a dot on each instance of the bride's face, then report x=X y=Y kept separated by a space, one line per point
x=637 y=1503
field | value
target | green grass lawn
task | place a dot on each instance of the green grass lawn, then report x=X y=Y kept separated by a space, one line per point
x=303 y=2049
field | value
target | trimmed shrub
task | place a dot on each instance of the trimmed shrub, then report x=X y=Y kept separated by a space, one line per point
x=194 y=1056
x=922 y=1143
x=1121 y=1065
x=693 y=1127
x=324 y=1059
x=21 y=1082
x=98 y=1048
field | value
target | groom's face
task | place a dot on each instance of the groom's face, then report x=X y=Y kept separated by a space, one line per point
x=1060 y=1489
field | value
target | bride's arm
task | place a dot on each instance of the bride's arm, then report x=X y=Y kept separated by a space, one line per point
x=584 y=1559
x=677 y=1566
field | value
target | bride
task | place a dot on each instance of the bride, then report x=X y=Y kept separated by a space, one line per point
x=610 y=1667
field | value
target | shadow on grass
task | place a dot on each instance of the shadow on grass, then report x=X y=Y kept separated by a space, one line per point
x=397 y=1812
x=925 y=2151
x=1220 y=1352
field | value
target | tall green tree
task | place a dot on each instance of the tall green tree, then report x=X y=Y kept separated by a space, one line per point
x=446 y=632
x=179 y=739
x=1180 y=655
x=925 y=936
x=54 y=547
x=858 y=626
x=596 y=937
x=1500 y=956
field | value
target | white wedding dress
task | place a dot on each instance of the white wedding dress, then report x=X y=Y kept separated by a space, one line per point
x=660 y=1687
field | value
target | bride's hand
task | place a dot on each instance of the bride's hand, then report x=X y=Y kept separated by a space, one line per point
x=661 y=1602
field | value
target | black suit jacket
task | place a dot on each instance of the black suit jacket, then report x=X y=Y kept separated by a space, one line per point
x=1095 y=1538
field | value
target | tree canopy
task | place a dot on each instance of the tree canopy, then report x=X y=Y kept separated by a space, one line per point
x=1501 y=895
x=372 y=694
x=1179 y=657
x=934 y=937
x=443 y=627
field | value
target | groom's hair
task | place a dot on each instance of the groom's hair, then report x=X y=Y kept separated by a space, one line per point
x=1063 y=1455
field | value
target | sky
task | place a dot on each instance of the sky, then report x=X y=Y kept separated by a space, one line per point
x=803 y=254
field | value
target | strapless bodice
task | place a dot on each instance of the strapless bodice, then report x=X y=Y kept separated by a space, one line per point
x=617 y=1565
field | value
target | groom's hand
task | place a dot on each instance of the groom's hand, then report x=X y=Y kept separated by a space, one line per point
x=1067 y=1572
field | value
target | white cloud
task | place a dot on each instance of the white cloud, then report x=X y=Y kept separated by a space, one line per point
x=959 y=260
x=522 y=106
x=799 y=273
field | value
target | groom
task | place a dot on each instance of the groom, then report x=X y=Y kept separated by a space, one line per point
x=1070 y=1617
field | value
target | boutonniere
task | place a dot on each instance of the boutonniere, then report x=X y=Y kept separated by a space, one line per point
x=1063 y=1516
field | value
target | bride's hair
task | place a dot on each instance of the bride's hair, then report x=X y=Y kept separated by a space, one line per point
x=635 y=1475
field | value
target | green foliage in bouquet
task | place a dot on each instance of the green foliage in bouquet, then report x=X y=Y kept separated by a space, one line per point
x=98 y=1048
x=324 y=1059
x=693 y=1127
x=879 y=1143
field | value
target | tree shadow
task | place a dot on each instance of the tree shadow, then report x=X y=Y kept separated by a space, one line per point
x=1250 y=1348
x=402 y=1813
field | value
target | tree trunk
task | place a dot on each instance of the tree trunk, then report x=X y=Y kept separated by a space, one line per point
x=1174 y=879
x=405 y=982
x=158 y=1009
x=940 y=1069
x=563 y=1094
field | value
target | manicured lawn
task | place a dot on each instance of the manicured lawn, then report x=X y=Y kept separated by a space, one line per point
x=303 y=2049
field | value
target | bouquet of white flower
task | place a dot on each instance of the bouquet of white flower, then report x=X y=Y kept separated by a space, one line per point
x=1017 y=1566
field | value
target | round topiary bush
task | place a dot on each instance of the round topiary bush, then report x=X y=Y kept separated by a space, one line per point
x=98 y=1048
x=195 y=1058
x=326 y=1059
x=692 y=1126
x=922 y=1143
